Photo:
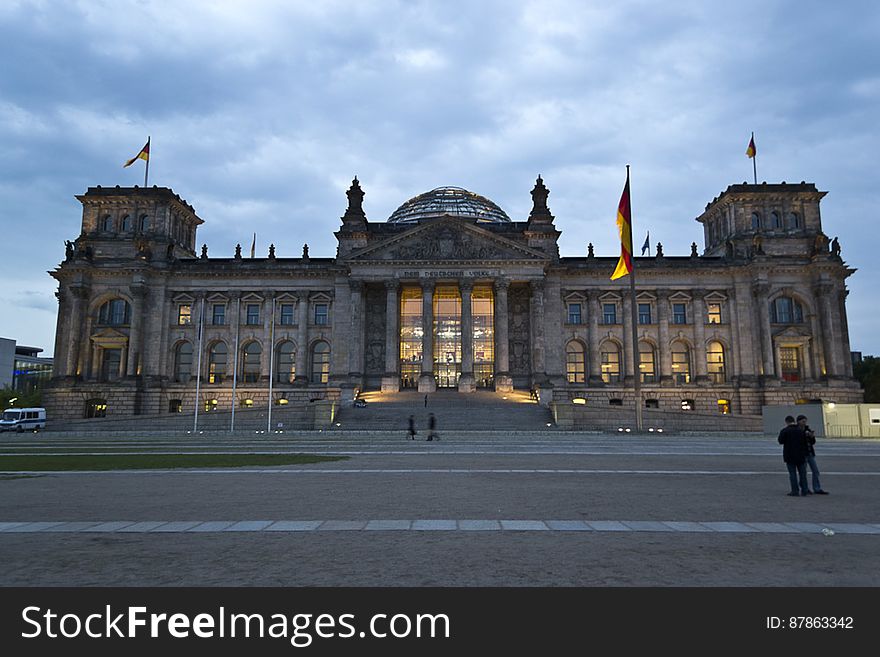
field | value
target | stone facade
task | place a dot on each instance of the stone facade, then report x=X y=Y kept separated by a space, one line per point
x=450 y=298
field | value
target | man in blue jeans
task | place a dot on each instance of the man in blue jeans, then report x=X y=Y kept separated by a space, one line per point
x=811 y=454
x=794 y=453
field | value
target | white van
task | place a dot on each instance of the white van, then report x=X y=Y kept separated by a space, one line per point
x=23 y=419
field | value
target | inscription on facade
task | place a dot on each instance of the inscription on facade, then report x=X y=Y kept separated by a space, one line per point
x=461 y=273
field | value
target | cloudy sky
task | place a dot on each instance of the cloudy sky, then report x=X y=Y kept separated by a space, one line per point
x=261 y=113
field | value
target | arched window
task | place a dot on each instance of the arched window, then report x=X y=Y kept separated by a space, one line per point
x=115 y=312
x=320 y=362
x=610 y=362
x=286 y=366
x=126 y=224
x=715 y=362
x=574 y=362
x=107 y=224
x=785 y=310
x=217 y=363
x=144 y=223
x=250 y=367
x=792 y=221
x=681 y=363
x=183 y=358
x=775 y=221
x=756 y=221
x=647 y=368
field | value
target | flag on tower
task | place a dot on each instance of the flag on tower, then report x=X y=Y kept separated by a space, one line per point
x=143 y=155
x=624 y=228
x=254 y=246
x=647 y=245
x=751 y=151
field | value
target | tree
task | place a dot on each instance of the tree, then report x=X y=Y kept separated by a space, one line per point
x=22 y=399
x=868 y=374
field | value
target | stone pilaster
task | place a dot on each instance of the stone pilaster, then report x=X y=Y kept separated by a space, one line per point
x=503 y=380
x=594 y=357
x=664 y=351
x=427 y=382
x=824 y=293
x=135 y=347
x=761 y=292
x=536 y=306
x=356 y=336
x=77 y=334
x=302 y=338
x=466 y=382
x=391 y=378
x=699 y=318
x=626 y=366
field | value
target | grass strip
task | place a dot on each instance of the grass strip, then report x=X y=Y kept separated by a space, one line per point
x=14 y=463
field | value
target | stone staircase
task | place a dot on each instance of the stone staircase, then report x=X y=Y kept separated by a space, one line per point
x=477 y=411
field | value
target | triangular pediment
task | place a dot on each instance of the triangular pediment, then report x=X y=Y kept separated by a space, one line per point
x=447 y=239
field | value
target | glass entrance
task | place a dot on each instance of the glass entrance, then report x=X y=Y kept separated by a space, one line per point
x=447 y=336
x=410 y=336
x=483 y=312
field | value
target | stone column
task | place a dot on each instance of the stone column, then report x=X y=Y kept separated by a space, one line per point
x=391 y=378
x=427 y=382
x=503 y=380
x=536 y=307
x=824 y=296
x=467 y=382
x=135 y=352
x=761 y=293
x=664 y=352
x=594 y=357
x=268 y=352
x=356 y=335
x=699 y=318
x=302 y=338
x=843 y=325
x=75 y=360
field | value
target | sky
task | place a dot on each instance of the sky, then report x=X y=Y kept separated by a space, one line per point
x=260 y=114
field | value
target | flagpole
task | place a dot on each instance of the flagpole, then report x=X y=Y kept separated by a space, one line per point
x=634 y=314
x=755 y=161
x=147 y=170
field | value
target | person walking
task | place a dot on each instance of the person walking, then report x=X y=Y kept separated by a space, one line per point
x=810 y=437
x=794 y=453
x=432 y=427
x=412 y=428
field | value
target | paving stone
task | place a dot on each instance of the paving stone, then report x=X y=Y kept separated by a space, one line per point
x=74 y=526
x=143 y=526
x=853 y=528
x=342 y=525
x=773 y=527
x=568 y=525
x=647 y=526
x=607 y=526
x=524 y=525
x=177 y=526
x=685 y=526
x=478 y=525
x=733 y=527
x=434 y=525
x=112 y=526
x=9 y=525
x=293 y=526
x=249 y=526
x=212 y=526
x=30 y=527
x=806 y=527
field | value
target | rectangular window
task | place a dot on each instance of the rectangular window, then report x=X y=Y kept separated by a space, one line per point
x=218 y=314
x=713 y=313
x=286 y=314
x=609 y=313
x=175 y=406
x=615 y=401
x=253 y=314
x=652 y=403
x=574 y=313
x=184 y=314
x=687 y=404
x=679 y=313
x=321 y=314
x=645 y=313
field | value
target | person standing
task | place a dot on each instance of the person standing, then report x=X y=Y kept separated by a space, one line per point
x=810 y=437
x=794 y=453
x=426 y=401
x=412 y=428
x=432 y=427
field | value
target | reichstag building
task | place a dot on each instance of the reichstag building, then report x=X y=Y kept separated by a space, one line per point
x=449 y=292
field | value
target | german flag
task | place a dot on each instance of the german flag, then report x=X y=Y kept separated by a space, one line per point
x=751 y=151
x=143 y=155
x=624 y=227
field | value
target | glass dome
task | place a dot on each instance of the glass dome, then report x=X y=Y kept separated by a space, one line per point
x=448 y=200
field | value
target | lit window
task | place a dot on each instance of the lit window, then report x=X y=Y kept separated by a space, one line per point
x=713 y=313
x=646 y=363
x=217 y=363
x=210 y=405
x=715 y=362
x=320 y=362
x=610 y=363
x=790 y=362
x=724 y=406
x=574 y=362
x=251 y=362
x=681 y=363
x=687 y=404
x=184 y=314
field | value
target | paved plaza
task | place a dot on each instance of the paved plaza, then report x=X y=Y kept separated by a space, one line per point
x=481 y=508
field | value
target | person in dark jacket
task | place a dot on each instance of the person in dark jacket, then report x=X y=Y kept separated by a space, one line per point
x=794 y=453
x=432 y=427
x=412 y=428
x=811 y=454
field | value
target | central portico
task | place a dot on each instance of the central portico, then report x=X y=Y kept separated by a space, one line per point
x=446 y=262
